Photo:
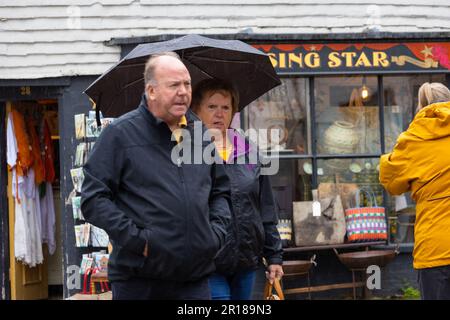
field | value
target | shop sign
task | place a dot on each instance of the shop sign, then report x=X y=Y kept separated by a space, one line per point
x=359 y=57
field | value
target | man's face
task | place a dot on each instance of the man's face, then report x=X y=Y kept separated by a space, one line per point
x=171 y=95
x=215 y=110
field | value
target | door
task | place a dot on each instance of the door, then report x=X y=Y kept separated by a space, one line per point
x=26 y=283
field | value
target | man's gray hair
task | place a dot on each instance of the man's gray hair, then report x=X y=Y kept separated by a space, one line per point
x=149 y=72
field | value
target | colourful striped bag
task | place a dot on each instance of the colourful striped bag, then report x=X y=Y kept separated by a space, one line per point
x=366 y=223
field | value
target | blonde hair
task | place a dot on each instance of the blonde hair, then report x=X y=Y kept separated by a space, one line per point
x=430 y=93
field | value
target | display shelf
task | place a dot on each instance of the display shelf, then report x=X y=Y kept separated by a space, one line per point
x=334 y=246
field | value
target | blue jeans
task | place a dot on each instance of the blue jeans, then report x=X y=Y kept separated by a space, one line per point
x=238 y=286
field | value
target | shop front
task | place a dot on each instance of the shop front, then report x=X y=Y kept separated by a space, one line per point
x=342 y=103
x=341 y=106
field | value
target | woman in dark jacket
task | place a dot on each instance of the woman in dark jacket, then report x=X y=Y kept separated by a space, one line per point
x=253 y=234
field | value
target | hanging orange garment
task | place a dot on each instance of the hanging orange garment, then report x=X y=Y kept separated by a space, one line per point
x=24 y=155
x=38 y=165
x=49 y=155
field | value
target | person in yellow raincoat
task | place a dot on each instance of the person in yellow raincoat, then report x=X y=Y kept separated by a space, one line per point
x=420 y=163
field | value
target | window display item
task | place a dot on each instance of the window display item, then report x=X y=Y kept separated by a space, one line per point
x=345 y=190
x=284 y=227
x=341 y=137
x=328 y=228
x=366 y=223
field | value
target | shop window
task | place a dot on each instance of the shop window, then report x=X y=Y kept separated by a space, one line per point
x=347 y=116
x=293 y=182
x=349 y=175
x=401 y=218
x=346 y=122
x=400 y=96
x=400 y=100
x=281 y=118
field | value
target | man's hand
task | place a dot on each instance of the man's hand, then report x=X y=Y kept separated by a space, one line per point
x=274 y=271
x=145 y=253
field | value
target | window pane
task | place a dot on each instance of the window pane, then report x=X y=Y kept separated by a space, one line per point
x=400 y=95
x=292 y=183
x=347 y=118
x=281 y=117
x=350 y=174
x=400 y=100
x=402 y=215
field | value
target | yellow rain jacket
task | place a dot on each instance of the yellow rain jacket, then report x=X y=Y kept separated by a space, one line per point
x=420 y=163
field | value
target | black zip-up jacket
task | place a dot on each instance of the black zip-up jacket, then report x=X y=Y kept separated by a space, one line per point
x=135 y=192
x=253 y=232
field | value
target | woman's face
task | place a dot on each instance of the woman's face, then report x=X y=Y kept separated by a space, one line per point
x=216 y=110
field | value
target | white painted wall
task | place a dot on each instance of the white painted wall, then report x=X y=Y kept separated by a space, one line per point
x=47 y=38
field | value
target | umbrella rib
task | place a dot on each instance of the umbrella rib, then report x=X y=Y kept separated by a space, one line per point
x=131 y=84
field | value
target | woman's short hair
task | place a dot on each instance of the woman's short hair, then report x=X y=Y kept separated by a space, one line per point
x=430 y=93
x=214 y=85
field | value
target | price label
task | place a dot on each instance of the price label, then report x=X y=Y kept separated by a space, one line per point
x=316 y=209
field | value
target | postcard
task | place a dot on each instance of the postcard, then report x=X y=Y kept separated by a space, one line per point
x=77 y=178
x=80 y=126
x=76 y=208
x=99 y=238
x=92 y=130
x=81 y=154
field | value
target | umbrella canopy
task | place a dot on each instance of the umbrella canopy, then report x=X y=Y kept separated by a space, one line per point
x=249 y=70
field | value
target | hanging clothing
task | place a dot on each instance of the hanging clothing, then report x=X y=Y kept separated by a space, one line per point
x=38 y=165
x=27 y=229
x=32 y=211
x=24 y=155
x=48 y=219
x=47 y=202
x=49 y=155
x=11 y=144
x=20 y=233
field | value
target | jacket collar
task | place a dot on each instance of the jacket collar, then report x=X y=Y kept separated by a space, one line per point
x=143 y=109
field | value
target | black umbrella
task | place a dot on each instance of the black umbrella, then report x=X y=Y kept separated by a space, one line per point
x=250 y=71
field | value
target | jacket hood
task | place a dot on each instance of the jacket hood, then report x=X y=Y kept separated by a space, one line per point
x=432 y=122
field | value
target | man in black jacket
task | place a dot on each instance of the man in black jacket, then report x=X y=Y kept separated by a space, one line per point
x=166 y=219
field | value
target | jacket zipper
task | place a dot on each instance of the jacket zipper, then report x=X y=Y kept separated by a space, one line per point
x=181 y=175
x=180 y=170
